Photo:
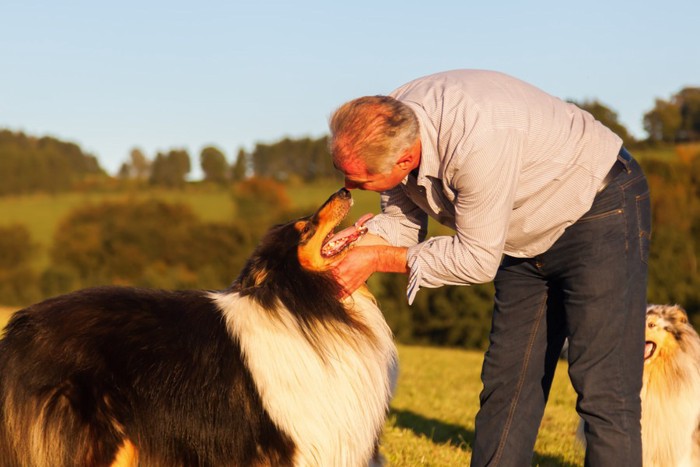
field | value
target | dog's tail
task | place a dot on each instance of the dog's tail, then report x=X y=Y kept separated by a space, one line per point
x=48 y=429
x=7 y=453
x=50 y=417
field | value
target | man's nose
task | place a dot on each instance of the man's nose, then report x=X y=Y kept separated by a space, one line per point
x=349 y=185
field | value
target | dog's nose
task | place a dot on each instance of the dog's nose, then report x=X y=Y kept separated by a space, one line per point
x=344 y=193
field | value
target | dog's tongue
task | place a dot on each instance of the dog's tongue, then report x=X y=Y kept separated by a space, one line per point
x=352 y=229
x=648 y=350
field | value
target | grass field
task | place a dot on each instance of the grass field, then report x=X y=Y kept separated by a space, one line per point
x=432 y=415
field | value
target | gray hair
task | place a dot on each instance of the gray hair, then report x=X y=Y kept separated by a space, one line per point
x=374 y=129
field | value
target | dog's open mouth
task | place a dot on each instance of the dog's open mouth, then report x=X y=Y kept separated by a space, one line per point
x=337 y=242
x=649 y=349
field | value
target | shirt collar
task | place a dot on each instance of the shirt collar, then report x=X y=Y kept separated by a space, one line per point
x=429 y=160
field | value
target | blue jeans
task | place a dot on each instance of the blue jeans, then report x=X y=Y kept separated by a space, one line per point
x=589 y=287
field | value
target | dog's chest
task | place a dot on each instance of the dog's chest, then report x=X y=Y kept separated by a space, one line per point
x=330 y=397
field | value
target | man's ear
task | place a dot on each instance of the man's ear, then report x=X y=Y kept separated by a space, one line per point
x=410 y=158
x=405 y=162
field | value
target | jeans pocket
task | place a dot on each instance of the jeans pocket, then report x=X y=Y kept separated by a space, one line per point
x=644 y=223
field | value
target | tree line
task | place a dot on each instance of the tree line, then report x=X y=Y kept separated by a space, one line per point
x=304 y=159
x=126 y=243
x=29 y=164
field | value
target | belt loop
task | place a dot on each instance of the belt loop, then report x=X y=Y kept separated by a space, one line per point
x=625 y=159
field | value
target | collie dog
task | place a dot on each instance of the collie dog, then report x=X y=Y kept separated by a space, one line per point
x=671 y=390
x=277 y=370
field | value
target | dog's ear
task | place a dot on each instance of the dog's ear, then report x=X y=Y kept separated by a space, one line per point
x=306 y=229
x=679 y=314
x=253 y=274
x=259 y=277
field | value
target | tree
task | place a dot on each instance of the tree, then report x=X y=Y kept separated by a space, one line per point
x=17 y=280
x=170 y=169
x=260 y=200
x=238 y=171
x=140 y=165
x=306 y=158
x=689 y=104
x=607 y=117
x=29 y=164
x=663 y=122
x=149 y=243
x=676 y=120
x=137 y=168
x=214 y=165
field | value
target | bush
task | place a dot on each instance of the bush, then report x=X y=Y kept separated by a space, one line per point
x=18 y=283
x=149 y=243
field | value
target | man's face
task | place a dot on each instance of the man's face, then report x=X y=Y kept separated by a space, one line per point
x=357 y=177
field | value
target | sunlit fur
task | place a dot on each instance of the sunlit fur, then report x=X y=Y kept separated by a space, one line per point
x=274 y=371
x=671 y=390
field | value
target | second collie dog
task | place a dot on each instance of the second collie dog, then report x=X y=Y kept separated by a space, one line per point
x=275 y=371
x=671 y=390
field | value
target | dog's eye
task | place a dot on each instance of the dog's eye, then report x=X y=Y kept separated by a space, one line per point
x=303 y=227
x=652 y=325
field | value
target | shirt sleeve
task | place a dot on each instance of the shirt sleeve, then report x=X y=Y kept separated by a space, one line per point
x=486 y=182
x=401 y=222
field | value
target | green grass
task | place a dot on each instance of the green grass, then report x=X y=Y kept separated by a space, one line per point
x=432 y=415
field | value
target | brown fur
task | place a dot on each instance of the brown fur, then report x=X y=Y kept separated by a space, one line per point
x=671 y=390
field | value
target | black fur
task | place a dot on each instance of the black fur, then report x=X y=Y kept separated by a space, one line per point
x=313 y=295
x=105 y=365
x=151 y=361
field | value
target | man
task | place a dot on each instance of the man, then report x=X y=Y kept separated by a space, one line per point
x=544 y=201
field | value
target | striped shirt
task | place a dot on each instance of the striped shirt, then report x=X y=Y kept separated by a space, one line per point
x=504 y=164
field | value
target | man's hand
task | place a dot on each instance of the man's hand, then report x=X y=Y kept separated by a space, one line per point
x=371 y=254
x=354 y=270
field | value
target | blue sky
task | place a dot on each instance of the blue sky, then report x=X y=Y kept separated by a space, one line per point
x=157 y=75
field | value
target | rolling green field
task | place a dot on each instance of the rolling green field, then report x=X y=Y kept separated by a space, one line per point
x=42 y=213
x=431 y=422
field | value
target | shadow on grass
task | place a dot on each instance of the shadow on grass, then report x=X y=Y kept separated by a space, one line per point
x=437 y=431
x=440 y=432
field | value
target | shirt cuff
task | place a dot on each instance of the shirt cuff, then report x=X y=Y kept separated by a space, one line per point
x=377 y=228
x=414 y=279
x=415 y=266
